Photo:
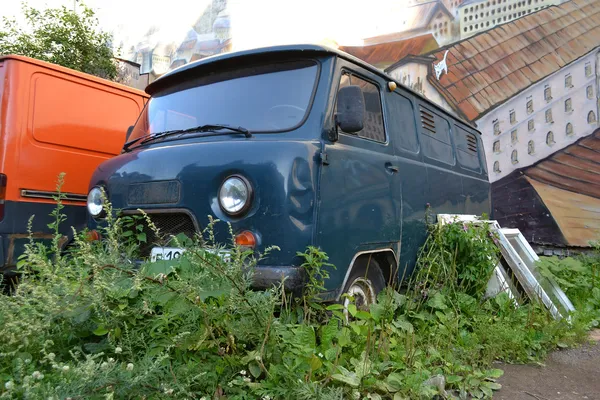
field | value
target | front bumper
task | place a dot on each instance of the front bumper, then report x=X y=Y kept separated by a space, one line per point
x=293 y=278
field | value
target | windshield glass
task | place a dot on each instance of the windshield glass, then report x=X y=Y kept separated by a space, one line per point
x=264 y=98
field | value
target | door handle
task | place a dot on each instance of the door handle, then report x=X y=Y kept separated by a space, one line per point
x=392 y=168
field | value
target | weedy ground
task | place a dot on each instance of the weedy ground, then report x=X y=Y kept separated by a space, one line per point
x=91 y=324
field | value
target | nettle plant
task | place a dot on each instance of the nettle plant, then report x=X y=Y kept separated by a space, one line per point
x=92 y=324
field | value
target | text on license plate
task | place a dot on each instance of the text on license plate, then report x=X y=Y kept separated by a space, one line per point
x=165 y=253
x=173 y=253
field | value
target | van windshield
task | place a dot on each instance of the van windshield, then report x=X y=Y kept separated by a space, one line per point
x=262 y=99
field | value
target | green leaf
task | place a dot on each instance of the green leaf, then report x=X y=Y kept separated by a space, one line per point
x=377 y=311
x=492 y=385
x=393 y=382
x=329 y=332
x=315 y=363
x=331 y=353
x=437 y=301
x=141 y=237
x=255 y=369
x=487 y=391
x=403 y=325
x=127 y=233
x=451 y=379
x=352 y=309
x=347 y=377
x=335 y=306
x=364 y=315
x=100 y=331
x=494 y=373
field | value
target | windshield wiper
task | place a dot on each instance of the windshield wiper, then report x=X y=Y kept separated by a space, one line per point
x=195 y=129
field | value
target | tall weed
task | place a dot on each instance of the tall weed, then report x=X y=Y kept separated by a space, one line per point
x=97 y=325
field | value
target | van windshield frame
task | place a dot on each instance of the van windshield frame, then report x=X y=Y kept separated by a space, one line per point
x=248 y=90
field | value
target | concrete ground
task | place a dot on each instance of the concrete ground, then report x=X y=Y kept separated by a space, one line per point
x=570 y=374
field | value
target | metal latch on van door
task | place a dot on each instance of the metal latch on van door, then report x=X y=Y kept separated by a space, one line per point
x=324 y=158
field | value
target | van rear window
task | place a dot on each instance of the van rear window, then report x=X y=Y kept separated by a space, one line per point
x=467 y=149
x=401 y=122
x=435 y=137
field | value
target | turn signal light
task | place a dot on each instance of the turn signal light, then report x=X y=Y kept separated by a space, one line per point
x=245 y=239
x=93 y=235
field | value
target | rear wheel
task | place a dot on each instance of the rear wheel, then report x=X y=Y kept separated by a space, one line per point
x=364 y=284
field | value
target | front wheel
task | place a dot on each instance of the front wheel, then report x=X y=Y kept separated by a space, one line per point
x=364 y=284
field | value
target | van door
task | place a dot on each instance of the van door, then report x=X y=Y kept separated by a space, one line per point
x=445 y=194
x=411 y=184
x=356 y=207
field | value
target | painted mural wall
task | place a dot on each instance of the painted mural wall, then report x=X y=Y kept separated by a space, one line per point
x=526 y=73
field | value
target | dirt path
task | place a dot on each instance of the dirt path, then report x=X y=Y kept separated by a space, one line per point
x=571 y=374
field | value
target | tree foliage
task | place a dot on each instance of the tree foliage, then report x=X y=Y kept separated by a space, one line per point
x=61 y=36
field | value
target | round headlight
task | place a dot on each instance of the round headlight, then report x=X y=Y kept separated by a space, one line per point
x=95 y=205
x=235 y=195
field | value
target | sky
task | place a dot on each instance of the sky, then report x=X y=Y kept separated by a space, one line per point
x=255 y=23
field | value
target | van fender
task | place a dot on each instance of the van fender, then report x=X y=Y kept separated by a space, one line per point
x=386 y=253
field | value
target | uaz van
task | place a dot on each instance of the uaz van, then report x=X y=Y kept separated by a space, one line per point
x=297 y=146
x=53 y=120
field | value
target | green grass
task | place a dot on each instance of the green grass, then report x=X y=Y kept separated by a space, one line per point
x=91 y=326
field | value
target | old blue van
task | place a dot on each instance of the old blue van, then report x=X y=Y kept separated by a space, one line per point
x=297 y=146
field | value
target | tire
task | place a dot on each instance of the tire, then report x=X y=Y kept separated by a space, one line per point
x=364 y=283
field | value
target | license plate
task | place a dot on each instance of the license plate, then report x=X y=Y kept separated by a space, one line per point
x=165 y=253
x=173 y=253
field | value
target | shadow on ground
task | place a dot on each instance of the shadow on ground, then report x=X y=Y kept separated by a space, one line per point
x=570 y=374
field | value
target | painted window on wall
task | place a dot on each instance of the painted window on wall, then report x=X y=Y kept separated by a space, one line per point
x=589 y=91
x=497 y=166
x=513 y=117
x=496 y=128
x=513 y=137
x=529 y=106
x=496 y=146
x=588 y=70
x=568 y=105
x=514 y=157
x=569 y=129
x=591 y=118
x=549 y=115
x=550 y=138
x=548 y=93
x=568 y=81
x=530 y=147
x=530 y=125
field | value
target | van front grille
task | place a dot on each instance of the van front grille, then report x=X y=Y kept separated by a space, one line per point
x=168 y=225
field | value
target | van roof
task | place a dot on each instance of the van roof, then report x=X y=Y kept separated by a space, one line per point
x=307 y=49
x=73 y=72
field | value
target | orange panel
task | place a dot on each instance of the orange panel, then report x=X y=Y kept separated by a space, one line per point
x=76 y=115
x=53 y=120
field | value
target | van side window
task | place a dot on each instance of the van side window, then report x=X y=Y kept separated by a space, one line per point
x=467 y=148
x=373 y=128
x=401 y=119
x=435 y=137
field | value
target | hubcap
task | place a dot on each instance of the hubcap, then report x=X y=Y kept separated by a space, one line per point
x=363 y=293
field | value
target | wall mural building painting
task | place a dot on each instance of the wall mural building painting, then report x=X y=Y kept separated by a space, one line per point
x=531 y=86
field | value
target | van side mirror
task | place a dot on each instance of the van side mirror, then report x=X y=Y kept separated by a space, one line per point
x=350 y=115
x=129 y=130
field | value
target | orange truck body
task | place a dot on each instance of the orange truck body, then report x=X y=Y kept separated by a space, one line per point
x=54 y=120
